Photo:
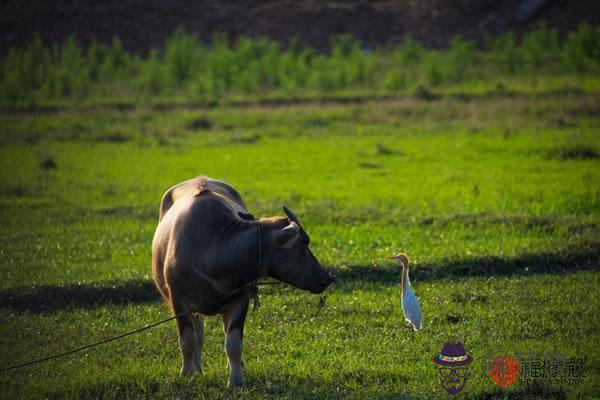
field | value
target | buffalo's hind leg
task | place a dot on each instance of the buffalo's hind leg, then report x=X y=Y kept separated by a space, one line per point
x=187 y=336
x=199 y=330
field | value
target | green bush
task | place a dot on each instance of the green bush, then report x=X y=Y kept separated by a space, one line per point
x=25 y=71
x=411 y=51
x=504 y=53
x=433 y=72
x=153 y=75
x=460 y=59
x=540 y=46
x=254 y=66
x=72 y=72
x=115 y=62
x=582 y=49
x=182 y=56
x=395 y=80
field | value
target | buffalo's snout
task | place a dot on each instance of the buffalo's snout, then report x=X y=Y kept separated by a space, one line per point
x=323 y=283
x=330 y=279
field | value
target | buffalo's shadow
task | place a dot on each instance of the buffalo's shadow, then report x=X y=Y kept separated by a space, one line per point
x=49 y=298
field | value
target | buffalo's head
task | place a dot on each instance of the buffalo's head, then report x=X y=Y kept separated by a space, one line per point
x=290 y=260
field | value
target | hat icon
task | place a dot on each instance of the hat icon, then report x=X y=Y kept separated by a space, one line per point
x=453 y=355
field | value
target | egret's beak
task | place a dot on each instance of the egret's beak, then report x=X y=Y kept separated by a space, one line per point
x=402 y=257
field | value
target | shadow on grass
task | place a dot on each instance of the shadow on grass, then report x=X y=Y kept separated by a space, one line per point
x=521 y=392
x=380 y=385
x=49 y=298
x=583 y=258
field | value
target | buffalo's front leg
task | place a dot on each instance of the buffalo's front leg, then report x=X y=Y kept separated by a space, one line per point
x=233 y=326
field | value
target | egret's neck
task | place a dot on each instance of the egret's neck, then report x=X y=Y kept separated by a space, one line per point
x=404 y=279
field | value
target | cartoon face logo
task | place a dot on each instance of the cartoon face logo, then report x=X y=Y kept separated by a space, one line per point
x=452 y=364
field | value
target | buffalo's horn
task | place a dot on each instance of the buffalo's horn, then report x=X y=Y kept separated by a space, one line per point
x=293 y=226
x=292 y=216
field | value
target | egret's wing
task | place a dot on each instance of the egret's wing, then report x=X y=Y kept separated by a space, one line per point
x=412 y=308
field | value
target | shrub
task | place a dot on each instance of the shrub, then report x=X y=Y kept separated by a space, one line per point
x=24 y=71
x=504 y=53
x=433 y=72
x=582 y=49
x=152 y=76
x=395 y=79
x=411 y=51
x=461 y=58
x=70 y=73
x=182 y=55
x=108 y=62
x=540 y=45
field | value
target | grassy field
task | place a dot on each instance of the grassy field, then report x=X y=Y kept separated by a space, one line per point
x=495 y=197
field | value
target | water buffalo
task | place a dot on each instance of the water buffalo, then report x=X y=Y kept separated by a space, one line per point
x=207 y=246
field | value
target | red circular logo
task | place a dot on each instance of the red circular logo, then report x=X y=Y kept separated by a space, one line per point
x=504 y=371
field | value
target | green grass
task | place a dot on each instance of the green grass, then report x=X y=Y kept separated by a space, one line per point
x=495 y=198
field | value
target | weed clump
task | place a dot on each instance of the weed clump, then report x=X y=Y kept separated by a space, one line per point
x=423 y=93
x=48 y=163
x=575 y=152
x=199 y=124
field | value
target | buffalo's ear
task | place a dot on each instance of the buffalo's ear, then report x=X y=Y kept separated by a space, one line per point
x=287 y=236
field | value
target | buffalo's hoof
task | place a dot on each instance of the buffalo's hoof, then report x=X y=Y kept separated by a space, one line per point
x=198 y=366
x=188 y=370
x=236 y=382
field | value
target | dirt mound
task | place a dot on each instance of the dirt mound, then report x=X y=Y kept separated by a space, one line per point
x=144 y=24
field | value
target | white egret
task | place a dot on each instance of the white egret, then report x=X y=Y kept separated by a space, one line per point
x=410 y=303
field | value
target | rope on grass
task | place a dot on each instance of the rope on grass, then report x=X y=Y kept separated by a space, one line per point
x=145 y=327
